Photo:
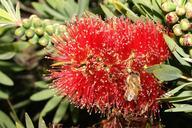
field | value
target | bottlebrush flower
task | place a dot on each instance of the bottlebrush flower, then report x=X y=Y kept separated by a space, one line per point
x=97 y=57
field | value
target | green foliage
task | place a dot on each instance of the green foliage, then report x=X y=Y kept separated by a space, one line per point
x=61 y=111
x=165 y=72
x=22 y=60
x=3 y=95
x=61 y=10
x=28 y=121
x=5 y=80
x=9 y=16
x=51 y=104
x=177 y=51
x=42 y=95
x=180 y=108
x=5 y=121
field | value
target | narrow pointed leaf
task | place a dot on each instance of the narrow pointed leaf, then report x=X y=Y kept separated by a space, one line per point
x=5 y=15
x=177 y=89
x=28 y=121
x=180 y=108
x=42 y=95
x=7 y=55
x=41 y=123
x=173 y=46
x=18 y=15
x=18 y=125
x=107 y=12
x=62 y=109
x=122 y=8
x=5 y=120
x=5 y=80
x=3 y=95
x=83 y=5
x=51 y=104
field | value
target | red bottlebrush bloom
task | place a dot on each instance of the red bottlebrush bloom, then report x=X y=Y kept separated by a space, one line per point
x=102 y=64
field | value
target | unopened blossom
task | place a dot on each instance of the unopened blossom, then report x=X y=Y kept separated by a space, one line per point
x=95 y=58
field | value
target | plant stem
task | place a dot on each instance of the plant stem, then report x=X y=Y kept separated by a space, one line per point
x=16 y=119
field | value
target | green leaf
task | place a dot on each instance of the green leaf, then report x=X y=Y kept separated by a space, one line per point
x=183 y=96
x=41 y=84
x=150 y=69
x=7 y=55
x=180 y=108
x=5 y=15
x=18 y=14
x=9 y=7
x=174 y=99
x=83 y=5
x=41 y=123
x=51 y=104
x=39 y=7
x=54 y=13
x=22 y=104
x=18 y=125
x=151 y=4
x=125 y=10
x=74 y=114
x=176 y=50
x=107 y=12
x=71 y=7
x=52 y=3
x=3 y=95
x=5 y=80
x=5 y=120
x=165 y=72
x=28 y=121
x=180 y=59
x=177 y=89
x=42 y=95
x=173 y=46
x=62 y=109
x=181 y=100
x=12 y=66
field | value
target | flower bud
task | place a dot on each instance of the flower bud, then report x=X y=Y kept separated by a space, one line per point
x=186 y=40
x=56 y=26
x=39 y=31
x=34 y=39
x=46 y=22
x=180 y=11
x=179 y=2
x=26 y=23
x=171 y=18
x=62 y=28
x=33 y=16
x=188 y=13
x=29 y=33
x=43 y=41
x=20 y=31
x=185 y=24
x=50 y=29
x=177 y=30
x=188 y=5
x=190 y=53
x=37 y=22
x=168 y=6
x=24 y=38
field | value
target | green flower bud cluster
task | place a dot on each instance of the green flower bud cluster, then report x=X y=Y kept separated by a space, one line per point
x=178 y=15
x=38 y=31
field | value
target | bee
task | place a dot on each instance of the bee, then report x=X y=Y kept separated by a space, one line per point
x=133 y=86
